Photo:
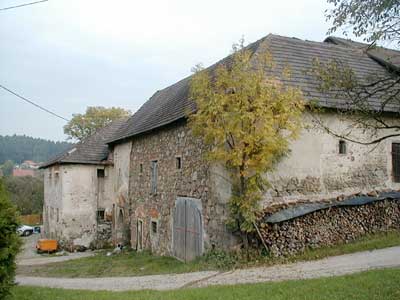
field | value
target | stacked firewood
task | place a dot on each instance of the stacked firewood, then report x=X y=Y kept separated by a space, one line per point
x=329 y=226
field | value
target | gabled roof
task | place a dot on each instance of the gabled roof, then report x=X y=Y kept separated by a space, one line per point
x=389 y=57
x=173 y=103
x=92 y=150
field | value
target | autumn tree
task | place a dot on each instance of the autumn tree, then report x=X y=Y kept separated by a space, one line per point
x=367 y=97
x=83 y=125
x=247 y=117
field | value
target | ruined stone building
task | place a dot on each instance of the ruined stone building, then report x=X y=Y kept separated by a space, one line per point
x=79 y=192
x=168 y=199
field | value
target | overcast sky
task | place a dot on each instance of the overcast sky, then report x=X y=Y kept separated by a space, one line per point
x=70 y=54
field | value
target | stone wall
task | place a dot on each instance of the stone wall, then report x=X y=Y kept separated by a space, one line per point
x=330 y=226
x=195 y=180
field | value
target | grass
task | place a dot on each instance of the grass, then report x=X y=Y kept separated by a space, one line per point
x=377 y=284
x=137 y=264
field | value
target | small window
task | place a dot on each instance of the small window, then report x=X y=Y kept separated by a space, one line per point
x=100 y=173
x=58 y=215
x=154 y=174
x=141 y=168
x=154 y=227
x=178 y=163
x=342 y=147
x=396 y=162
x=100 y=215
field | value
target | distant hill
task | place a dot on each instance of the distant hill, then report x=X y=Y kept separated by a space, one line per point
x=21 y=147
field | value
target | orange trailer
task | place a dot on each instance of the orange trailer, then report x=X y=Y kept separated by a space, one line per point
x=45 y=245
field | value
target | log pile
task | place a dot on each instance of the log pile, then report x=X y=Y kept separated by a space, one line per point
x=330 y=226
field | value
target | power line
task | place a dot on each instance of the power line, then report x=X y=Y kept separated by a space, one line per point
x=33 y=103
x=21 y=5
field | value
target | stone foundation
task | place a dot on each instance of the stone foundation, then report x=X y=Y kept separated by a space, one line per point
x=330 y=226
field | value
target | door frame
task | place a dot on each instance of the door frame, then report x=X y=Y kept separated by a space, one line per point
x=139 y=237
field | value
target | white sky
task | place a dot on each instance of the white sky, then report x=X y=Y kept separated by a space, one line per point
x=70 y=54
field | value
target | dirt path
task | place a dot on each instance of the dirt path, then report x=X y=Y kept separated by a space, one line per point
x=332 y=266
x=29 y=257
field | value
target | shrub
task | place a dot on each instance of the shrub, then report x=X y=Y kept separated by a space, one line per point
x=9 y=242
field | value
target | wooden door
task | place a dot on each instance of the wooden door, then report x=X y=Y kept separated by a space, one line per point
x=187 y=229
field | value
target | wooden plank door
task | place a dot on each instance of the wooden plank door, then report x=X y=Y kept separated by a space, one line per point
x=187 y=240
x=179 y=228
x=193 y=232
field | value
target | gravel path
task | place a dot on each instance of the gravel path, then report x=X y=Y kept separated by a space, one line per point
x=29 y=257
x=42 y=260
x=332 y=266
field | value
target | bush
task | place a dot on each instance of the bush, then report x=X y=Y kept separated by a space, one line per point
x=9 y=242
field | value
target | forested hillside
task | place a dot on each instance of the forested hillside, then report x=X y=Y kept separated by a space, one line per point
x=18 y=148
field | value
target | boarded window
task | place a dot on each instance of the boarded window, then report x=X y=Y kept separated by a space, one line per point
x=154 y=173
x=178 y=163
x=396 y=161
x=342 y=147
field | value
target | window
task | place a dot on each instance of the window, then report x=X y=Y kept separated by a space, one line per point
x=154 y=171
x=396 y=162
x=178 y=163
x=154 y=227
x=100 y=215
x=342 y=147
x=141 y=168
x=58 y=215
x=100 y=173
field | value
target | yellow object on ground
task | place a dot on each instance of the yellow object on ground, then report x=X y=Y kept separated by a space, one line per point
x=45 y=245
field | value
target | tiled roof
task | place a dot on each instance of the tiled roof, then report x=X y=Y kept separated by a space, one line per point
x=173 y=103
x=92 y=150
x=385 y=55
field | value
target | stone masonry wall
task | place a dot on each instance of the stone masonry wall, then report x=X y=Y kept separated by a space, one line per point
x=330 y=226
x=192 y=180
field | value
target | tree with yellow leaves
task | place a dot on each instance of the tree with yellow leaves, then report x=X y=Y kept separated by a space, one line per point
x=247 y=116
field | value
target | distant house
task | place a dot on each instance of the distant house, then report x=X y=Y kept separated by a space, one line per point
x=17 y=172
x=78 y=192
x=29 y=164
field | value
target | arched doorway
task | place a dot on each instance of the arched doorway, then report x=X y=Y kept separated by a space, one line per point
x=123 y=228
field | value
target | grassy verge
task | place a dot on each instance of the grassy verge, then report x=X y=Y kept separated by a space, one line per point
x=137 y=264
x=377 y=284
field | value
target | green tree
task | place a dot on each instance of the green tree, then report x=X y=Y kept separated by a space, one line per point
x=247 y=116
x=19 y=148
x=84 y=125
x=26 y=193
x=9 y=242
x=373 y=20
x=7 y=168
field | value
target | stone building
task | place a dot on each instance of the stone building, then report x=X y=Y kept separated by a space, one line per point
x=79 y=192
x=177 y=202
